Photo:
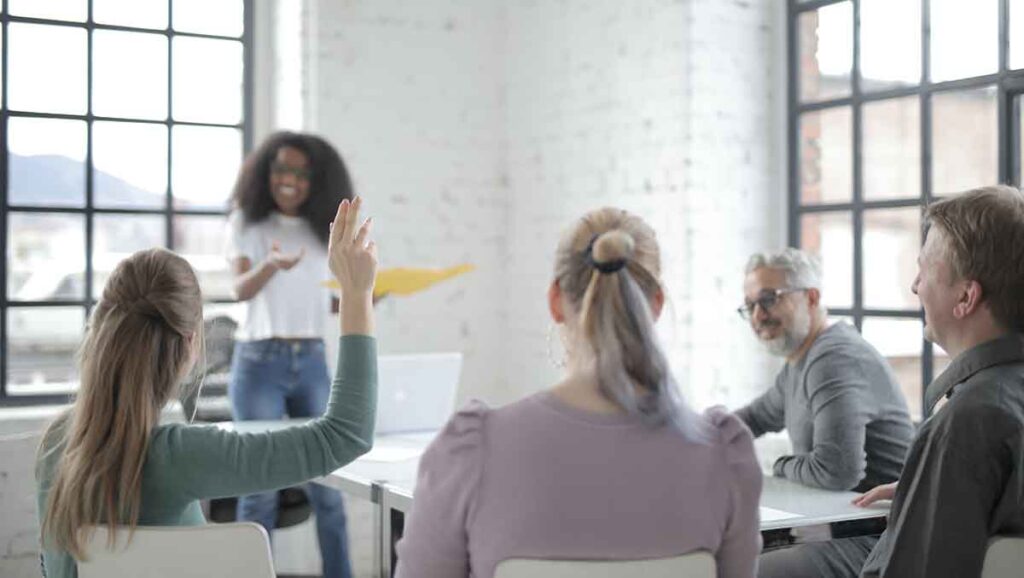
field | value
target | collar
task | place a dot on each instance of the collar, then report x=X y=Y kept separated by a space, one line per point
x=1006 y=349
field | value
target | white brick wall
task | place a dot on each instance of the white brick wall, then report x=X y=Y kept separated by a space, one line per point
x=668 y=109
x=411 y=93
x=479 y=130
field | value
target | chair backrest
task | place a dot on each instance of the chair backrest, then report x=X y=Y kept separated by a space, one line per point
x=693 y=565
x=1004 y=558
x=223 y=550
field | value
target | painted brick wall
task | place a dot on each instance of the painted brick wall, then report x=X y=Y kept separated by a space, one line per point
x=411 y=93
x=479 y=130
x=671 y=110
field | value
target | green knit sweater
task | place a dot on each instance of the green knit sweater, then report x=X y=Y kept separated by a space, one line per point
x=188 y=463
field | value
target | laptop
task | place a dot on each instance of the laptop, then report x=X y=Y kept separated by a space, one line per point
x=416 y=393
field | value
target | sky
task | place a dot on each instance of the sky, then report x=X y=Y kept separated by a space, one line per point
x=964 y=38
x=47 y=73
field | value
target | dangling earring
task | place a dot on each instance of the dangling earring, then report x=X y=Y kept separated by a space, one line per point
x=558 y=362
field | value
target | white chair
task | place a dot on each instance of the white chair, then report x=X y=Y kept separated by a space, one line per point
x=239 y=549
x=693 y=565
x=1004 y=557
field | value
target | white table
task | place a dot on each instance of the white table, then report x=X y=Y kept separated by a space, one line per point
x=387 y=478
x=812 y=507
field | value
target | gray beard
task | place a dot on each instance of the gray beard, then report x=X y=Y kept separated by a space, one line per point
x=792 y=338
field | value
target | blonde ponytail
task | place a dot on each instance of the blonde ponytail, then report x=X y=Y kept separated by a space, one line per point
x=608 y=269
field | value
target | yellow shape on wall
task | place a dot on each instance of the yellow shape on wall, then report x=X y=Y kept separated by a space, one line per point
x=409 y=280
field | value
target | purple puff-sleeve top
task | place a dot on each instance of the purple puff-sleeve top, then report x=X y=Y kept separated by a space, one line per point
x=541 y=479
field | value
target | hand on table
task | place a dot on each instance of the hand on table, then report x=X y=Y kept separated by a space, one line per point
x=883 y=492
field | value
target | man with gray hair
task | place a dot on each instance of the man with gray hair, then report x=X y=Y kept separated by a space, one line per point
x=836 y=396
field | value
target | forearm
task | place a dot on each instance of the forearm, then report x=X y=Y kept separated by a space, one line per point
x=838 y=458
x=248 y=284
x=813 y=470
x=357 y=314
x=209 y=462
x=760 y=418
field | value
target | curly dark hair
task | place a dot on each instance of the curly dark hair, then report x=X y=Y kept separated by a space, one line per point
x=328 y=186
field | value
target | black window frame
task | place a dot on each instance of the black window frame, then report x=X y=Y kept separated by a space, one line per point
x=89 y=211
x=1009 y=85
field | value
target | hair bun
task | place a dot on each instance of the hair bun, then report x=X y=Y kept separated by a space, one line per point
x=612 y=247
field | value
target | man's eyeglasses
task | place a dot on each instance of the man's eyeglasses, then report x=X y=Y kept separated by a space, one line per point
x=280 y=169
x=769 y=298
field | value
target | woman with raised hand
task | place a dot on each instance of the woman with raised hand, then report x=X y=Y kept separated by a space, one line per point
x=609 y=463
x=107 y=461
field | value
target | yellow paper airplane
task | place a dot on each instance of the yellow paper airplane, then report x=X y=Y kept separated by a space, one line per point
x=408 y=280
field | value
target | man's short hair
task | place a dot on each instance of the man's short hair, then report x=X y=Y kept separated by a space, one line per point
x=984 y=233
x=803 y=270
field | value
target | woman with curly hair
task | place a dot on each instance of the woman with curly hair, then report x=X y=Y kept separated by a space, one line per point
x=284 y=199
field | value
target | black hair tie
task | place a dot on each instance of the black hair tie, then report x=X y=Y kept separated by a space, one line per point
x=607 y=267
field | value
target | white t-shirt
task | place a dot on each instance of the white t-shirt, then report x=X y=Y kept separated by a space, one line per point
x=294 y=303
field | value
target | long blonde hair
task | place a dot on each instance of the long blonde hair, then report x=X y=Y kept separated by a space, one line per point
x=608 y=267
x=138 y=347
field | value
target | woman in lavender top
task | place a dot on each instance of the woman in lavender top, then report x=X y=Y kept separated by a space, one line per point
x=608 y=463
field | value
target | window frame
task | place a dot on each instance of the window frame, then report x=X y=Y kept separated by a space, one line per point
x=1009 y=85
x=88 y=210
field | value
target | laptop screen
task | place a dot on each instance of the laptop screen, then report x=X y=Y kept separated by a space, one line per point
x=416 y=392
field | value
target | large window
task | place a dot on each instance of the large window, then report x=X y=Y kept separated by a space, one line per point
x=893 y=103
x=122 y=126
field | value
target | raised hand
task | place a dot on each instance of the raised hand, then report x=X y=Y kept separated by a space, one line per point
x=352 y=256
x=283 y=261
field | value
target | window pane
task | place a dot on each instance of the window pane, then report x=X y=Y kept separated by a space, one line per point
x=41 y=346
x=826 y=52
x=890 y=33
x=1019 y=111
x=47 y=162
x=964 y=38
x=892 y=241
x=200 y=239
x=1016 y=33
x=117 y=237
x=71 y=10
x=130 y=74
x=57 y=50
x=137 y=13
x=964 y=140
x=205 y=164
x=45 y=257
x=900 y=342
x=130 y=161
x=826 y=158
x=830 y=235
x=207 y=80
x=891 y=154
x=223 y=17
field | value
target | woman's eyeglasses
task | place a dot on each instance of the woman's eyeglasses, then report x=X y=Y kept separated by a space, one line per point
x=280 y=169
x=769 y=298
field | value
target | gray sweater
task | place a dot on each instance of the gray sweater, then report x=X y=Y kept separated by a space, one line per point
x=846 y=417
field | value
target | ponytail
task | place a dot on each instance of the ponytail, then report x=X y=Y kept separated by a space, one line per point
x=613 y=283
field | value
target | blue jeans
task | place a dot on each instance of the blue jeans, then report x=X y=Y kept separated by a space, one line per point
x=272 y=379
